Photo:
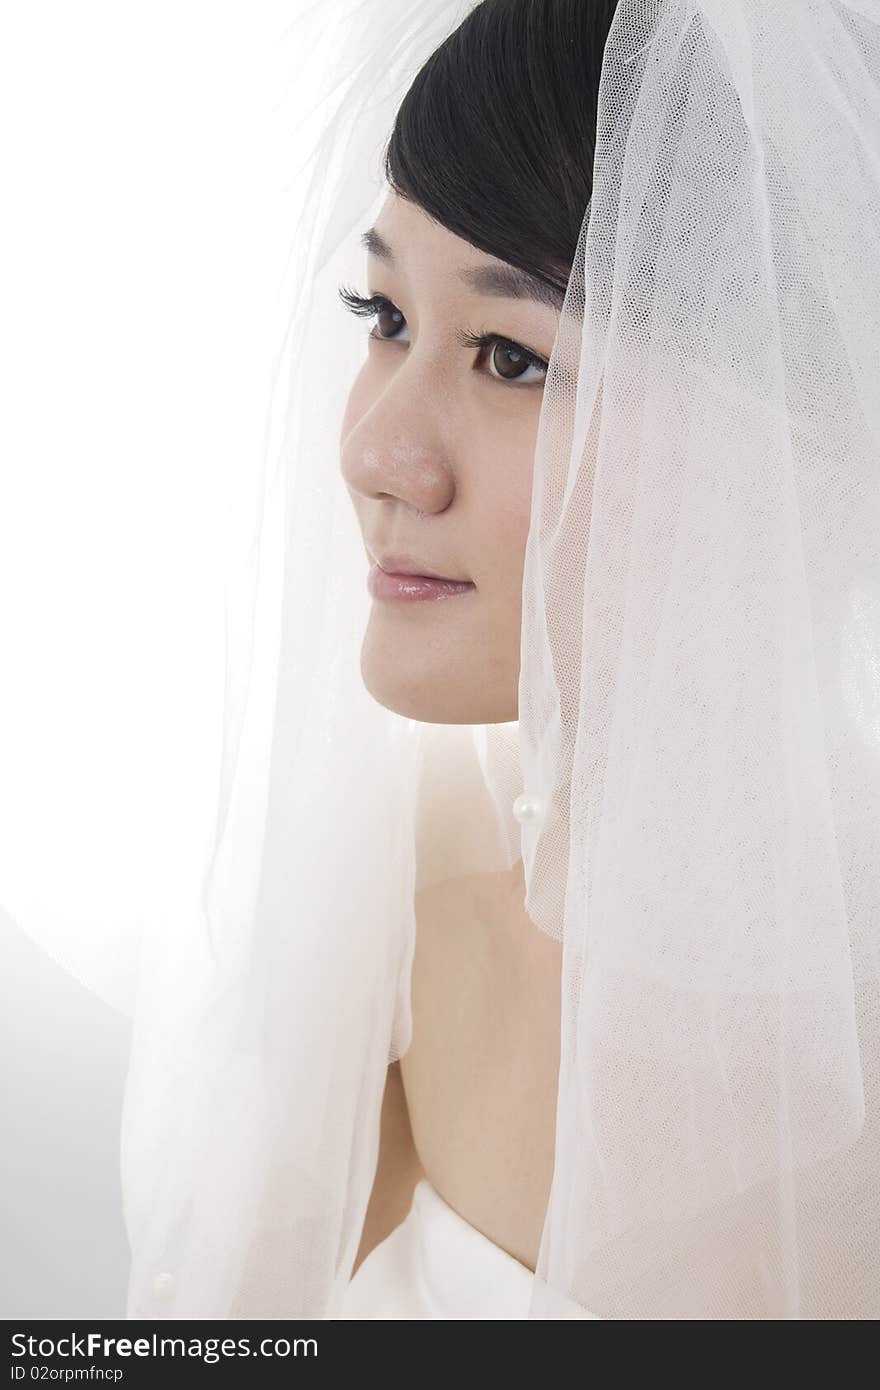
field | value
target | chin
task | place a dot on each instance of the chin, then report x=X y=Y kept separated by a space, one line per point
x=442 y=697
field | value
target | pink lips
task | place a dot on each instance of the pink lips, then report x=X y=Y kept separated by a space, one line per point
x=412 y=588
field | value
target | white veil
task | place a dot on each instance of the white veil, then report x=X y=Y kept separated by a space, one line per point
x=698 y=742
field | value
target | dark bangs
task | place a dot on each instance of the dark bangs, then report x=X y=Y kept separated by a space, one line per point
x=496 y=135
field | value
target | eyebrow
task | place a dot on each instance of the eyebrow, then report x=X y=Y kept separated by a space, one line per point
x=502 y=281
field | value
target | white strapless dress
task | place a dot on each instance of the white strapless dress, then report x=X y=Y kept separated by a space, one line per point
x=436 y=1265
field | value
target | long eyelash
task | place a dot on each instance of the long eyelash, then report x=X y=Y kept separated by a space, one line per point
x=485 y=340
x=370 y=307
x=359 y=305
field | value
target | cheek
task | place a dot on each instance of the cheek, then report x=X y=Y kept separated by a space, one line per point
x=503 y=499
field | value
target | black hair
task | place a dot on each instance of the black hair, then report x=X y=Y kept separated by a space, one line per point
x=496 y=136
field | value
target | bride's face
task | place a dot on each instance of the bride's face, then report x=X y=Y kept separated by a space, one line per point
x=436 y=449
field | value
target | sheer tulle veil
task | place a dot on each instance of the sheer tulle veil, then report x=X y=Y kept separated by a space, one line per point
x=693 y=780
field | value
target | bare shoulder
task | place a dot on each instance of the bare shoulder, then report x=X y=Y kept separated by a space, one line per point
x=438 y=856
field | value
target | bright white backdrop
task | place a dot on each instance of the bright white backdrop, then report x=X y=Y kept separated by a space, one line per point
x=149 y=177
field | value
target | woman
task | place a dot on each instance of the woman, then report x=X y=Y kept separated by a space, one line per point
x=488 y=167
x=436 y=451
x=572 y=818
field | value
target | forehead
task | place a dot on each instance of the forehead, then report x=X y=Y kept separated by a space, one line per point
x=410 y=243
x=423 y=246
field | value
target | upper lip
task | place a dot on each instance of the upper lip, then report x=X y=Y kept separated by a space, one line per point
x=400 y=563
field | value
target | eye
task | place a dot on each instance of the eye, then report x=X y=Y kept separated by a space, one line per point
x=508 y=361
x=389 y=318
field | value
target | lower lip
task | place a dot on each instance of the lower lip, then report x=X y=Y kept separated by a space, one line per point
x=412 y=588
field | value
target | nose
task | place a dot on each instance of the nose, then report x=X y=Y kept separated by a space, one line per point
x=395 y=449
